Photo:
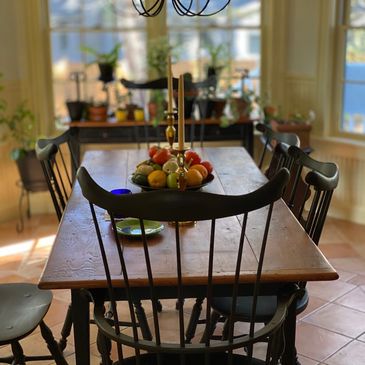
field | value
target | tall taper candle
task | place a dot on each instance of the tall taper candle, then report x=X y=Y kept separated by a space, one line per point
x=181 y=128
x=169 y=84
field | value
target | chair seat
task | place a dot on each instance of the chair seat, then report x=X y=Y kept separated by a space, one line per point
x=192 y=359
x=22 y=308
x=266 y=307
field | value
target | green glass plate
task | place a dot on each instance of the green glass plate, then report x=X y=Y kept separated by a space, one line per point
x=131 y=227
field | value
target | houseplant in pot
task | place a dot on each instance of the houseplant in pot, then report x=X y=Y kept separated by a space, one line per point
x=18 y=127
x=209 y=104
x=298 y=123
x=76 y=108
x=107 y=62
x=157 y=53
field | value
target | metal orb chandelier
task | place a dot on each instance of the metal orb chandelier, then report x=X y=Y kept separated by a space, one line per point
x=188 y=9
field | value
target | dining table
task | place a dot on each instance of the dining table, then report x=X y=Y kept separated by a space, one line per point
x=75 y=262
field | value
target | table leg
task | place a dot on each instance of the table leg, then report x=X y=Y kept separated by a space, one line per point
x=290 y=354
x=80 y=318
x=248 y=137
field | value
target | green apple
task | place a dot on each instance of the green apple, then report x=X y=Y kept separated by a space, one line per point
x=172 y=180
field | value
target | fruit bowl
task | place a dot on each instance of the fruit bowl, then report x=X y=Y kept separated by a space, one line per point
x=207 y=181
x=160 y=170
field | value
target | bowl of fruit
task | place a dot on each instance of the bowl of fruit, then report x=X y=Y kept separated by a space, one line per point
x=160 y=171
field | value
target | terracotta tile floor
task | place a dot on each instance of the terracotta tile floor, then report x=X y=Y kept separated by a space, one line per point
x=331 y=331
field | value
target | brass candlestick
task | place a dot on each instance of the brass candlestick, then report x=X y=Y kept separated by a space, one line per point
x=170 y=131
x=181 y=183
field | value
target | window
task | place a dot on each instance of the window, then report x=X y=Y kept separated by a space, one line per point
x=353 y=81
x=237 y=28
x=101 y=24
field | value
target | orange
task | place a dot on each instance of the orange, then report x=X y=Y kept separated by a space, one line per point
x=157 y=179
x=201 y=169
x=193 y=177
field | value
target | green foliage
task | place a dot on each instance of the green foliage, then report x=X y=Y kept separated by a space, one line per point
x=110 y=58
x=158 y=51
x=158 y=97
x=21 y=126
x=218 y=55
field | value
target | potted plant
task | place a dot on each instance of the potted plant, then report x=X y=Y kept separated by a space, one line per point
x=300 y=124
x=97 y=111
x=210 y=106
x=107 y=62
x=19 y=126
x=217 y=59
x=157 y=53
x=76 y=107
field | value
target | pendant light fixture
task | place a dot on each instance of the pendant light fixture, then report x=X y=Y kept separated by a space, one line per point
x=183 y=8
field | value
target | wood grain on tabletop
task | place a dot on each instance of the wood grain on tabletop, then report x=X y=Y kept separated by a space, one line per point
x=75 y=260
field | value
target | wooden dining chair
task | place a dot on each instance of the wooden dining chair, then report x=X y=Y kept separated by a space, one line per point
x=210 y=211
x=59 y=179
x=22 y=309
x=59 y=167
x=320 y=179
x=270 y=139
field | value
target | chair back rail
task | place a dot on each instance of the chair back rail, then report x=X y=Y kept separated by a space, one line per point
x=176 y=206
x=321 y=179
x=270 y=139
x=58 y=173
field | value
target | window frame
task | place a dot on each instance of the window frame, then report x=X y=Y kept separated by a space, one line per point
x=343 y=25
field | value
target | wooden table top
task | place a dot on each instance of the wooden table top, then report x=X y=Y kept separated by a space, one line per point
x=75 y=261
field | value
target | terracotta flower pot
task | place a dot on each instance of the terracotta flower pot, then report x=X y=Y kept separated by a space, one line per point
x=98 y=113
x=302 y=130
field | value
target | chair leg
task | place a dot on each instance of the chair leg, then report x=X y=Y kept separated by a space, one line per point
x=193 y=321
x=18 y=353
x=142 y=319
x=104 y=347
x=208 y=332
x=52 y=344
x=20 y=224
x=66 y=329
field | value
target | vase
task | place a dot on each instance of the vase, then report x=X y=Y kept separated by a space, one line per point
x=75 y=109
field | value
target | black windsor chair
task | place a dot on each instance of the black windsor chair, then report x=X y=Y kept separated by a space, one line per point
x=60 y=183
x=321 y=179
x=270 y=139
x=207 y=209
x=22 y=309
x=59 y=167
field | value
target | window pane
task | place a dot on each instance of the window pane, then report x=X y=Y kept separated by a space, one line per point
x=246 y=12
x=98 y=14
x=186 y=48
x=353 y=116
x=355 y=46
x=65 y=13
x=353 y=110
x=357 y=13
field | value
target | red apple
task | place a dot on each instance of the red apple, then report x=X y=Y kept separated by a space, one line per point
x=152 y=150
x=208 y=166
x=192 y=158
x=161 y=156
